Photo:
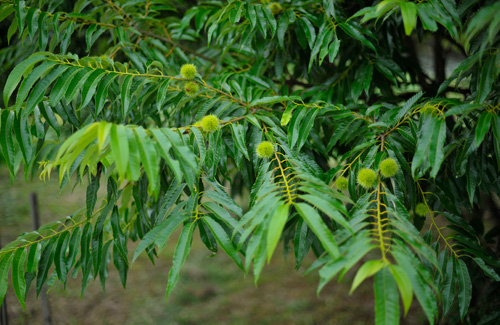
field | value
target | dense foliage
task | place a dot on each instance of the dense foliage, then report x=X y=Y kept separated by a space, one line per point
x=317 y=124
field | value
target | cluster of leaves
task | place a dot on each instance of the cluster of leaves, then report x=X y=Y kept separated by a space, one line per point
x=120 y=112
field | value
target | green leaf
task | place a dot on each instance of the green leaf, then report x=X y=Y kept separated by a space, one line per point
x=162 y=94
x=37 y=93
x=261 y=20
x=60 y=256
x=449 y=286
x=44 y=264
x=319 y=228
x=118 y=235
x=200 y=141
x=20 y=8
x=302 y=242
x=160 y=233
x=17 y=73
x=5 y=262
x=18 y=281
x=6 y=9
x=276 y=225
x=91 y=197
x=252 y=15
x=49 y=116
x=30 y=80
x=465 y=287
x=483 y=126
x=271 y=100
x=429 y=124
x=436 y=148
x=282 y=29
x=62 y=85
x=323 y=31
x=149 y=158
x=239 y=137
x=103 y=269
x=223 y=198
x=163 y=144
x=404 y=284
x=309 y=30
x=488 y=76
x=356 y=34
x=119 y=148
x=180 y=254
x=488 y=270
x=270 y=19
x=386 y=298
x=418 y=276
x=367 y=270
x=223 y=239
x=125 y=94
x=102 y=92
x=120 y=263
x=23 y=137
x=328 y=208
x=221 y=214
x=85 y=253
x=287 y=115
x=182 y=152
x=306 y=125
x=42 y=31
x=73 y=248
x=409 y=13
x=134 y=159
x=33 y=257
x=6 y=138
x=76 y=83
x=333 y=49
x=89 y=39
x=410 y=103
x=425 y=12
x=90 y=85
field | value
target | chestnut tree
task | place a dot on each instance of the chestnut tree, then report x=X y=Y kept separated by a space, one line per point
x=364 y=133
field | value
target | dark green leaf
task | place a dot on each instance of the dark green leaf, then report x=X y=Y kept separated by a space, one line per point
x=386 y=298
x=181 y=252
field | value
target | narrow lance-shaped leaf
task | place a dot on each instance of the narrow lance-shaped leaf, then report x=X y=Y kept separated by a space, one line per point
x=436 y=154
x=482 y=127
x=275 y=229
x=118 y=235
x=367 y=270
x=23 y=136
x=6 y=138
x=149 y=158
x=223 y=239
x=181 y=252
x=409 y=13
x=319 y=228
x=449 y=286
x=386 y=298
x=18 y=280
x=163 y=231
x=404 y=285
x=17 y=73
x=125 y=94
x=30 y=80
x=36 y=95
x=487 y=77
x=465 y=285
x=5 y=262
x=119 y=148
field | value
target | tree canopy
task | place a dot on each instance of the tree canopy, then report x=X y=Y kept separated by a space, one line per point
x=315 y=124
